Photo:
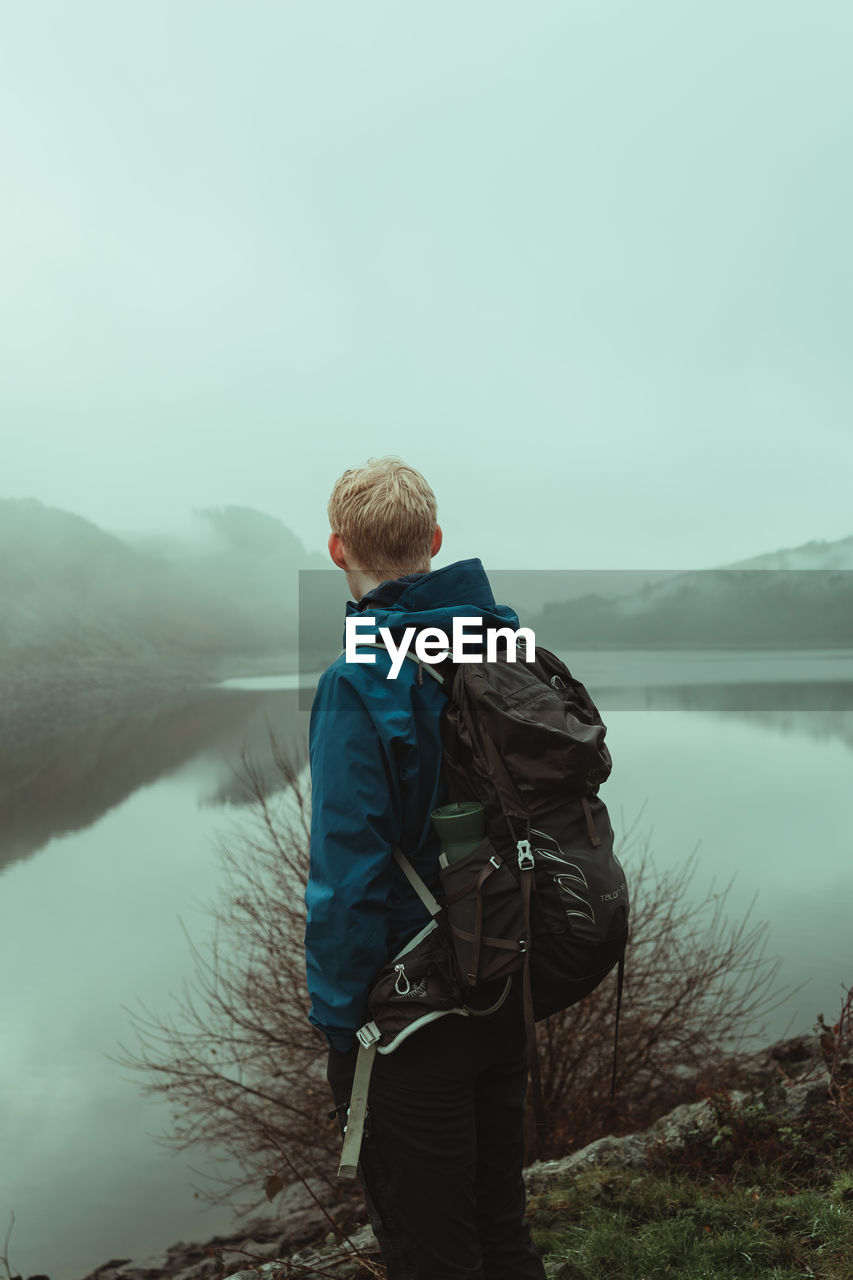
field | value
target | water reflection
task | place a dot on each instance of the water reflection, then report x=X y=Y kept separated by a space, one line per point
x=758 y=769
x=67 y=779
x=768 y=695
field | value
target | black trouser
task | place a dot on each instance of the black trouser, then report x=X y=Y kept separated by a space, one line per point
x=442 y=1157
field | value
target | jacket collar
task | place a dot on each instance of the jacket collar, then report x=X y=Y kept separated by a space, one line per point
x=462 y=583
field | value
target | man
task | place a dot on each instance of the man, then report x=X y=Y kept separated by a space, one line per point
x=441 y=1162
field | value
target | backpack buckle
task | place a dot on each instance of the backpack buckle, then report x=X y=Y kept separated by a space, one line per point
x=526 y=860
x=368 y=1035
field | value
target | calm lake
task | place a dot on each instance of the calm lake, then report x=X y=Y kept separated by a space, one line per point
x=747 y=755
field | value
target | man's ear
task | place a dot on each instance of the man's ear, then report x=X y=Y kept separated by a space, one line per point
x=436 y=542
x=337 y=551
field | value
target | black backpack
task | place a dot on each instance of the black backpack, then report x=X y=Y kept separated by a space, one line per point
x=543 y=893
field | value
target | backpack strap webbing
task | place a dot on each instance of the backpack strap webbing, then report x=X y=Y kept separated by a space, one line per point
x=620 y=982
x=428 y=899
x=368 y=1038
x=529 y=1021
x=422 y=666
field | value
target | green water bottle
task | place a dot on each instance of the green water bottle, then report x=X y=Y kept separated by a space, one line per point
x=460 y=827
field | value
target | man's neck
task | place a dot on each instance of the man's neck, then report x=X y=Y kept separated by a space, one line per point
x=360 y=582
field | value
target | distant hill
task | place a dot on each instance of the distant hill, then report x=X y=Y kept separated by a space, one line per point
x=811 y=555
x=801 y=596
x=247 y=558
x=529 y=590
x=69 y=590
x=72 y=592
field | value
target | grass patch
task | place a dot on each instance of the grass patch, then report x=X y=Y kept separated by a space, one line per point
x=760 y=1196
x=615 y=1224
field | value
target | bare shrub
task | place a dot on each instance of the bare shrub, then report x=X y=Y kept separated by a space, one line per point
x=243 y=1070
x=698 y=989
x=837 y=1044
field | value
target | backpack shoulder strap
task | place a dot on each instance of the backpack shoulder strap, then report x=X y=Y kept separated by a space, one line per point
x=423 y=666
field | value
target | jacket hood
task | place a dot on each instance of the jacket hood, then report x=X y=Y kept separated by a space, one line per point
x=434 y=599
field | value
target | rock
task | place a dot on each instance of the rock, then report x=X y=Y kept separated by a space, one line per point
x=150 y=1268
x=198 y=1271
x=342 y=1256
x=775 y=1065
x=298 y=1215
x=805 y=1094
x=249 y=1252
x=779 y=1061
x=632 y=1151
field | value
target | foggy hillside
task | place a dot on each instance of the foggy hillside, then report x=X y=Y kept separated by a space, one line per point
x=800 y=596
x=533 y=589
x=812 y=555
x=72 y=592
x=69 y=590
x=528 y=590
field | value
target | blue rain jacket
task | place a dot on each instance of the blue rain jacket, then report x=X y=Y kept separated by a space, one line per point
x=375 y=750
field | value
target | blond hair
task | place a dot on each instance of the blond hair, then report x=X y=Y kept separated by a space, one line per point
x=385 y=514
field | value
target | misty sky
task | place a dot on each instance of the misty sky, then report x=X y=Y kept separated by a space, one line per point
x=588 y=266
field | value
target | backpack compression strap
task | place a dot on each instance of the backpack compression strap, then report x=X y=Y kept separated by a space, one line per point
x=368 y=1038
x=428 y=899
x=620 y=982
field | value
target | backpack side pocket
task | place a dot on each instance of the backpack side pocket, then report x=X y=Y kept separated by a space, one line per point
x=484 y=908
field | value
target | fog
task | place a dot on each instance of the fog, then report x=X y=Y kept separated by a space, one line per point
x=71 y=591
x=585 y=266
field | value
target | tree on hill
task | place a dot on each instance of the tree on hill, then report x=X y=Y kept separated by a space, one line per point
x=252 y=533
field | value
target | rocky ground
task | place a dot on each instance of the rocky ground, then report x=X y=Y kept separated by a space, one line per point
x=302 y=1239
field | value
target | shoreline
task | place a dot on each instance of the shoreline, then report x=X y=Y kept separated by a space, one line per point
x=795 y=1067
